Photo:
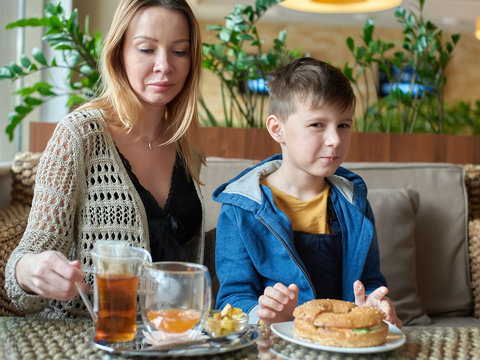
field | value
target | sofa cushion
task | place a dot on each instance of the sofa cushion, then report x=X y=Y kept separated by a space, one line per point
x=215 y=173
x=441 y=229
x=395 y=213
x=209 y=262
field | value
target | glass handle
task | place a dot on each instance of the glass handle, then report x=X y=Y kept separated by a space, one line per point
x=86 y=301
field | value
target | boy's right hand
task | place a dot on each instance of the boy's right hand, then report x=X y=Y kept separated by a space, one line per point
x=277 y=303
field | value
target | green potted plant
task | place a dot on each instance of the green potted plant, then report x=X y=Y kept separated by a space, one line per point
x=78 y=52
x=423 y=49
x=239 y=53
x=238 y=56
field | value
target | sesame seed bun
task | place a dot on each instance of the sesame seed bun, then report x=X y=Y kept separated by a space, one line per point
x=340 y=323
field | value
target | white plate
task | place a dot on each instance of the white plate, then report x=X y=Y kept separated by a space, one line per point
x=395 y=339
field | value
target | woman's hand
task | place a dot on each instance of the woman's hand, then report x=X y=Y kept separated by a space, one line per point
x=50 y=274
x=277 y=303
x=376 y=299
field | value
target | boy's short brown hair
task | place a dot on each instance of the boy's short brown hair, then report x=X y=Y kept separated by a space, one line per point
x=308 y=81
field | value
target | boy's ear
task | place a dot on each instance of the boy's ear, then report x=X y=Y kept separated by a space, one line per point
x=275 y=128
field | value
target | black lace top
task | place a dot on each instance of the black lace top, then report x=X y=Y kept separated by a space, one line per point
x=178 y=221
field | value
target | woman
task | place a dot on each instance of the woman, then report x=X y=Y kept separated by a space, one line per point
x=124 y=166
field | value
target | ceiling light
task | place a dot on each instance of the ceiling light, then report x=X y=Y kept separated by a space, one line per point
x=340 y=6
x=477 y=29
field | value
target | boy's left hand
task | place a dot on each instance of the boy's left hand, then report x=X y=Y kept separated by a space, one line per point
x=376 y=299
x=277 y=303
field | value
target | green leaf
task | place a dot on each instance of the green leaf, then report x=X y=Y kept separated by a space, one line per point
x=87 y=70
x=32 y=67
x=350 y=43
x=55 y=25
x=373 y=47
x=5 y=73
x=368 y=31
x=14 y=119
x=224 y=35
x=51 y=9
x=72 y=58
x=44 y=88
x=245 y=37
x=15 y=69
x=25 y=91
x=27 y=22
x=20 y=109
x=25 y=61
x=214 y=27
x=32 y=101
x=58 y=37
x=39 y=56
x=74 y=99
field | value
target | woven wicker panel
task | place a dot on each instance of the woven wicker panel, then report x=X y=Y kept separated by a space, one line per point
x=474 y=252
x=24 y=168
x=30 y=338
x=13 y=221
x=450 y=343
x=472 y=181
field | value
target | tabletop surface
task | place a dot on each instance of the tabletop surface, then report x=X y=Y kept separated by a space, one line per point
x=29 y=338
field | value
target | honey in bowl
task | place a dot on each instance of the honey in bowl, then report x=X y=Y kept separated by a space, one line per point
x=173 y=321
x=227 y=321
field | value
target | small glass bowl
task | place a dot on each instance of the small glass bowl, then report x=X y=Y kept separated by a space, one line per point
x=217 y=326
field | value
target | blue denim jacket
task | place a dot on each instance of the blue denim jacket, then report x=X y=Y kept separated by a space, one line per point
x=254 y=240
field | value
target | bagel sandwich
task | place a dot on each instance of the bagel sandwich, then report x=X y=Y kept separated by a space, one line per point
x=340 y=323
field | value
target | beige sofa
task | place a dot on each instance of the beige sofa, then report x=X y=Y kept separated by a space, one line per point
x=421 y=212
x=430 y=259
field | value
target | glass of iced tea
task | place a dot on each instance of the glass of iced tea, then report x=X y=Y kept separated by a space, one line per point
x=175 y=299
x=117 y=268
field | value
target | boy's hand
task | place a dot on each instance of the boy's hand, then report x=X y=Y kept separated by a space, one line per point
x=376 y=299
x=277 y=303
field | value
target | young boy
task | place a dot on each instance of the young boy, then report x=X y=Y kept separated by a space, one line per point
x=297 y=226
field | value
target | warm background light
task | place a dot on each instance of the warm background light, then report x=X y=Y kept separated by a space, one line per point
x=477 y=29
x=340 y=6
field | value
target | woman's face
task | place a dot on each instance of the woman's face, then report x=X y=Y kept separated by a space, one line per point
x=156 y=54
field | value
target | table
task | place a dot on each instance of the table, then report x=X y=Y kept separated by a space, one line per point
x=27 y=338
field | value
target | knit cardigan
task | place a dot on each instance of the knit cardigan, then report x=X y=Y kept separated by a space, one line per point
x=83 y=193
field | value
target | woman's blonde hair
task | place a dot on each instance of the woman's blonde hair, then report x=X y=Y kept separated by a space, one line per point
x=119 y=102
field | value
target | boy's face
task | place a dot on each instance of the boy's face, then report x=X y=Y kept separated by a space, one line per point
x=316 y=141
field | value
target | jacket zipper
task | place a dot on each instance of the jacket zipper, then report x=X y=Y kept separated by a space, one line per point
x=291 y=255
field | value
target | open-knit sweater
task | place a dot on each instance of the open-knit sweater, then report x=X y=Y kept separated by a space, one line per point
x=82 y=193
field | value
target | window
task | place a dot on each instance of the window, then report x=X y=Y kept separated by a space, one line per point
x=17 y=41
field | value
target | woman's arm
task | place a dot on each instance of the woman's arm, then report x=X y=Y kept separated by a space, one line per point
x=50 y=227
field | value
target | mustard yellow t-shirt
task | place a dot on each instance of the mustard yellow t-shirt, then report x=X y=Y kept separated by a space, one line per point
x=306 y=216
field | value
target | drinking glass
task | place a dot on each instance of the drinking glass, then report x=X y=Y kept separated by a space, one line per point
x=175 y=300
x=117 y=268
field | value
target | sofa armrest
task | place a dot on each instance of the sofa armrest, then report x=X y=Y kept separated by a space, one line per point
x=472 y=181
x=474 y=253
x=13 y=221
x=24 y=170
